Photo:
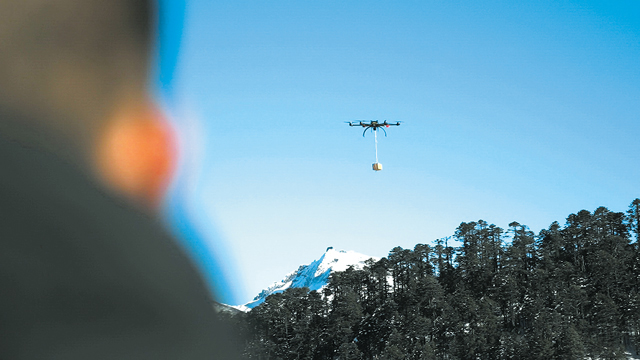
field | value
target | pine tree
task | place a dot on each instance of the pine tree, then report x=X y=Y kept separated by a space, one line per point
x=569 y=344
x=479 y=257
x=633 y=217
x=349 y=351
x=516 y=281
x=394 y=349
x=345 y=313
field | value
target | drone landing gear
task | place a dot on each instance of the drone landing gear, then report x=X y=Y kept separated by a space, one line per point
x=377 y=166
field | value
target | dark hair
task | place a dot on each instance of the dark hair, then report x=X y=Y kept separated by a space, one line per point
x=72 y=58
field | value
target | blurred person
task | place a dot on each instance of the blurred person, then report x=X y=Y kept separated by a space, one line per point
x=86 y=269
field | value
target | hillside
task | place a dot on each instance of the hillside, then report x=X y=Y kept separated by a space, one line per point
x=571 y=291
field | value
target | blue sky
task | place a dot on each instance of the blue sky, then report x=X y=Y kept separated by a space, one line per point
x=524 y=111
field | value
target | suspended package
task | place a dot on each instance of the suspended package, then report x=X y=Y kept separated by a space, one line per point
x=373 y=125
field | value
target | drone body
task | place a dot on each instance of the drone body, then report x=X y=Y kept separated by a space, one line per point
x=373 y=125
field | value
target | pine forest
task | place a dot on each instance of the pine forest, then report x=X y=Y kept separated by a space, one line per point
x=570 y=292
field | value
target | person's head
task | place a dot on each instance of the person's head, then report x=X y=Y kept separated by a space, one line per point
x=80 y=69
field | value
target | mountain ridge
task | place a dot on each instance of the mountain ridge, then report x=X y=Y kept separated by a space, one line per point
x=313 y=276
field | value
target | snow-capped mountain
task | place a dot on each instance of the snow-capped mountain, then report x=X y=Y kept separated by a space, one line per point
x=314 y=276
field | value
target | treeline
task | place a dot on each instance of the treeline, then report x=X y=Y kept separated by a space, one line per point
x=570 y=292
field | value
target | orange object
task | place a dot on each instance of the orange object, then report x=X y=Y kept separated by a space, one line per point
x=136 y=155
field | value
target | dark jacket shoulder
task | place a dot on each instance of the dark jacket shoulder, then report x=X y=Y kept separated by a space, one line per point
x=84 y=274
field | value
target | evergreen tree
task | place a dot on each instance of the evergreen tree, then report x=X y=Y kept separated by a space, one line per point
x=394 y=349
x=515 y=281
x=345 y=312
x=479 y=256
x=376 y=328
x=633 y=217
x=569 y=344
x=349 y=351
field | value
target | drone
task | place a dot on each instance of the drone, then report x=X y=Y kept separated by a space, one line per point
x=373 y=125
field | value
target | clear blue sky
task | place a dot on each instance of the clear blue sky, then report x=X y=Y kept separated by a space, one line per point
x=524 y=111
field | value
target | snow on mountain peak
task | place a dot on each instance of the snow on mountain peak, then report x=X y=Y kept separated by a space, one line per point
x=340 y=260
x=314 y=276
